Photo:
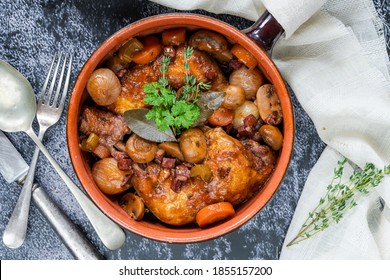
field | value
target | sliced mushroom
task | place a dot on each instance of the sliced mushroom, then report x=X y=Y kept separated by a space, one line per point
x=272 y=136
x=172 y=149
x=211 y=42
x=140 y=150
x=269 y=105
x=133 y=205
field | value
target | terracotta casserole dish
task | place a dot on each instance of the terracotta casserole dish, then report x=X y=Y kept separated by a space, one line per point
x=258 y=40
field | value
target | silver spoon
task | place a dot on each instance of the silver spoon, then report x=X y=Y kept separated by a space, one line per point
x=17 y=112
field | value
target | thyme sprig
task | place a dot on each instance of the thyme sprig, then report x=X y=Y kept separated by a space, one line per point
x=339 y=198
x=191 y=88
x=171 y=109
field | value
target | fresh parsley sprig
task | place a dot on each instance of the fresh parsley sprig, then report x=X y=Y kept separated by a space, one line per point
x=339 y=198
x=170 y=109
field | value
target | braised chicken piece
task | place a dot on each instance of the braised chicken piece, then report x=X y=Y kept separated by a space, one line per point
x=110 y=130
x=133 y=81
x=175 y=198
x=201 y=66
x=103 y=123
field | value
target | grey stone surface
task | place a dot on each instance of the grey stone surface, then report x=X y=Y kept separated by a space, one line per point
x=30 y=32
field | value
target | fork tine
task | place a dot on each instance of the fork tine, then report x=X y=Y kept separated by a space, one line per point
x=60 y=81
x=53 y=81
x=66 y=85
x=44 y=87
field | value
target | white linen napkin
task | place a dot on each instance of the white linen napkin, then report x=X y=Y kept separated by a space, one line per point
x=337 y=65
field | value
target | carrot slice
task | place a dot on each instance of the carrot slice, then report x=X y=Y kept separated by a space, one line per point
x=244 y=56
x=152 y=48
x=221 y=117
x=214 y=213
x=174 y=37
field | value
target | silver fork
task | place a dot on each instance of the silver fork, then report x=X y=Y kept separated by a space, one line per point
x=49 y=111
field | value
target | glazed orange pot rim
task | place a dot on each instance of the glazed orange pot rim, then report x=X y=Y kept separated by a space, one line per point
x=160 y=232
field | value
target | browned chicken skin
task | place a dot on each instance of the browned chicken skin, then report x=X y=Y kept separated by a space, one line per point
x=237 y=175
x=133 y=81
x=104 y=124
x=201 y=66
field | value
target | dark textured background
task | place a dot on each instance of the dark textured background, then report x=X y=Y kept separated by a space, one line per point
x=31 y=31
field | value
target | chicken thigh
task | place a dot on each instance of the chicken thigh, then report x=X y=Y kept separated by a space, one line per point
x=237 y=174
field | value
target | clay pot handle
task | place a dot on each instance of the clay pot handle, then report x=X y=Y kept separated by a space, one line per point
x=265 y=31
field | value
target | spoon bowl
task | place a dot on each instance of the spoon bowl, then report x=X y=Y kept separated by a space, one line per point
x=18 y=105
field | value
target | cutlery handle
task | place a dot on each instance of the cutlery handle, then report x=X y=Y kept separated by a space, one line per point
x=15 y=232
x=109 y=232
x=72 y=237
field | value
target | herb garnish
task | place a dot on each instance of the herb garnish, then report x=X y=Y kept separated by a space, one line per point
x=171 y=109
x=340 y=197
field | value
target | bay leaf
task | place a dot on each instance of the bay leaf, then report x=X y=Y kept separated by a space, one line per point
x=208 y=103
x=147 y=129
